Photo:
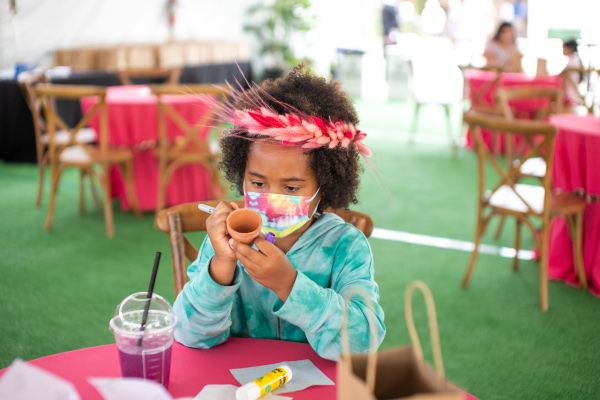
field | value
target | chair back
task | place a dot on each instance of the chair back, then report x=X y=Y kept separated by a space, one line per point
x=506 y=184
x=550 y=100
x=547 y=101
x=193 y=145
x=170 y=75
x=479 y=95
x=178 y=220
x=49 y=93
x=27 y=81
x=193 y=130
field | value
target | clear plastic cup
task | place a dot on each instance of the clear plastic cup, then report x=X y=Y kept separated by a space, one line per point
x=144 y=353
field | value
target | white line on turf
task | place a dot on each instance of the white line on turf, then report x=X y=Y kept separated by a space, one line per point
x=446 y=243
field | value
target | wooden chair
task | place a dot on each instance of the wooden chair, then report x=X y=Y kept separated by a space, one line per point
x=170 y=75
x=27 y=82
x=178 y=220
x=189 y=148
x=77 y=154
x=590 y=77
x=524 y=202
x=551 y=99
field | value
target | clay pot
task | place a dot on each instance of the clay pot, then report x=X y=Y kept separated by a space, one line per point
x=244 y=225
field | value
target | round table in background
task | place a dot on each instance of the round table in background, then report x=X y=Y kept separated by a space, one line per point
x=133 y=124
x=576 y=169
x=192 y=369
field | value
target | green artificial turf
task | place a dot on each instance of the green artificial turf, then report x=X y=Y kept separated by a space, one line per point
x=59 y=289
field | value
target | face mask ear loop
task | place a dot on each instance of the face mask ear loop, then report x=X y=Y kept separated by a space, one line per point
x=316 y=208
x=314 y=195
x=318 y=202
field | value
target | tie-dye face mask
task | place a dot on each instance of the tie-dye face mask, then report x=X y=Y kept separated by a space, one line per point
x=281 y=214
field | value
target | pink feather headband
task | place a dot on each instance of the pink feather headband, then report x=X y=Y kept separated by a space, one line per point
x=309 y=132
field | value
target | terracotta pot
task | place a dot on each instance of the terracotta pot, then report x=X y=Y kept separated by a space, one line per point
x=244 y=225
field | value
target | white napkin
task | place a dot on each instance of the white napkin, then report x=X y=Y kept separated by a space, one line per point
x=23 y=381
x=227 y=392
x=304 y=374
x=130 y=389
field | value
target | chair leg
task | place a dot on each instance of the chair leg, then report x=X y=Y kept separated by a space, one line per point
x=453 y=145
x=500 y=226
x=51 y=205
x=475 y=253
x=82 y=175
x=415 y=121
x=129 y=186
x=517 y=246
x=108 y=217
x=162 y=185
x=94 y=191
x=41 y=170
x=578 y=249
x=544 y=265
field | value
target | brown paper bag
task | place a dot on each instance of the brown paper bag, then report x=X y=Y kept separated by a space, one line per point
x=399 y=372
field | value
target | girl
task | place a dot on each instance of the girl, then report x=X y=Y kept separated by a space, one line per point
x=293 y=153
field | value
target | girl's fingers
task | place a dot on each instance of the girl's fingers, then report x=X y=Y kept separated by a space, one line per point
x=248 y=253
x=264 y=245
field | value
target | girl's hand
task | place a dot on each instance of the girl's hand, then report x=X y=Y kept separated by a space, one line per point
x=222 y=265
x=270 y=266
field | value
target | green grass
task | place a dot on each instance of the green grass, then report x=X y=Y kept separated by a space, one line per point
x=59 y=289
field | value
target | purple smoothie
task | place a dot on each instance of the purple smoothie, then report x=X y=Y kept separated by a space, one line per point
x=150 y=361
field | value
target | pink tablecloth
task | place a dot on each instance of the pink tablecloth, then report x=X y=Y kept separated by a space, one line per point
x=482 y=88
x=577 y=169
x=133 y=123
x=192 y=369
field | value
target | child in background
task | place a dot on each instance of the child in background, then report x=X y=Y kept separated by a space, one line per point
x=571 y=90
x=293 y=153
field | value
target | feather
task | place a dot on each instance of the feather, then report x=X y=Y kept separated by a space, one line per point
x=267 y=121
x=310 y=145
x=319 y=122
x=363 y=149
x=294 y=121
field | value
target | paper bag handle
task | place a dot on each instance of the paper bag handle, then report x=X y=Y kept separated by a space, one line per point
x=345 y=340
x=433 y=325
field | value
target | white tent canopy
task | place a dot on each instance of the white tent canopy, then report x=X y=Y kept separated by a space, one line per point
x=41 y=26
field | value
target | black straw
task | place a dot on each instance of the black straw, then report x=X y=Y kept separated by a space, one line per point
x=149 y=295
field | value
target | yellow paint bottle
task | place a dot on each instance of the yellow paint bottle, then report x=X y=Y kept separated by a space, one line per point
x=264 y=384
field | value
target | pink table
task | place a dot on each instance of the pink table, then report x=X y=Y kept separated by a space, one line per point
x=133 y=123
x=482 y=88
x=192 y=369
x=577 y=169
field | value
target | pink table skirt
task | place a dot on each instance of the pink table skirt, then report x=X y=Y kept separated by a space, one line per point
x=192 y=369
x=482 y=88
x=577 y=169
x=133 y=123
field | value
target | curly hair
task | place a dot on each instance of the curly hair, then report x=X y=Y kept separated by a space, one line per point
x=337 y=170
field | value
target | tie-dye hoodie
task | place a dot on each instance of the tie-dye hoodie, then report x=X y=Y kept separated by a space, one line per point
x=331 y=256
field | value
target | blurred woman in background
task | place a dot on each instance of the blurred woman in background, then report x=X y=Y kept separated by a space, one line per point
x=502 y=52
